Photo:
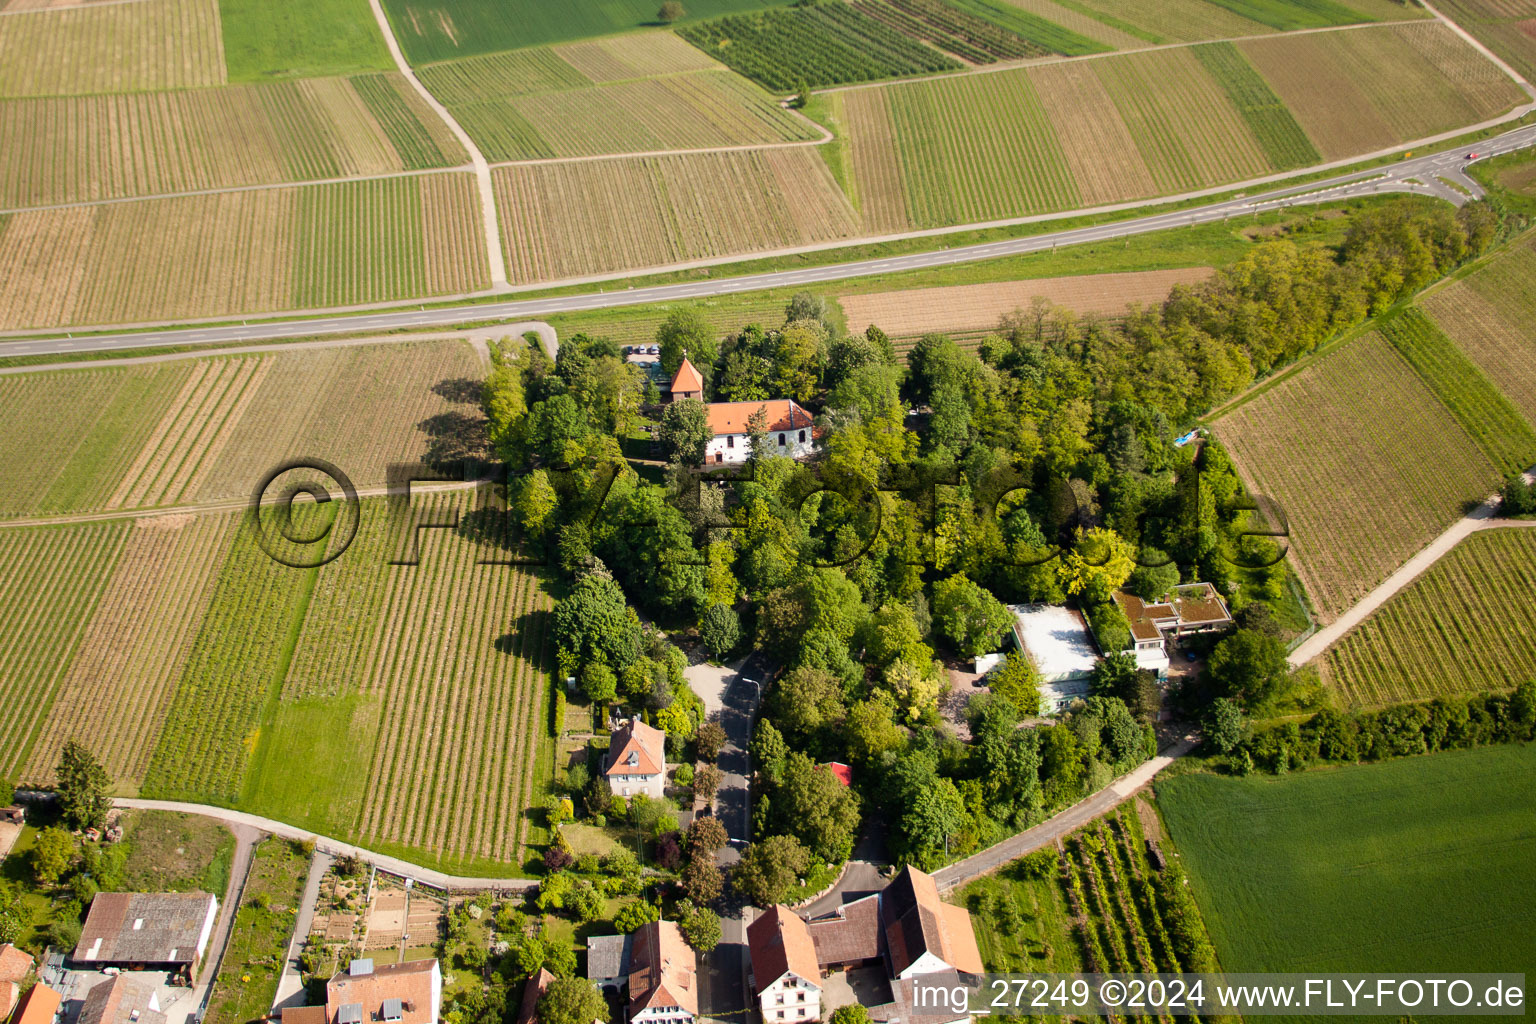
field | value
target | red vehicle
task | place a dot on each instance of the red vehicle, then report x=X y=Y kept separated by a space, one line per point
x=1471 y=156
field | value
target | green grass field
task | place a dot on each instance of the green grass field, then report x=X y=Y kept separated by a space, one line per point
x=1464 y=626
x=431 y=30
x=254 y=959
x=1424 y=863
x=1476 y=402
x=1287 y=15
x=300 y=38
x=173 y=852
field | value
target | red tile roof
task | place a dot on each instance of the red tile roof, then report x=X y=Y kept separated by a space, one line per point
x=535 y=987
x=731 y=417
x=663 y=971
x=780 y=942
x=686 y=379
x=843 y=772
x=647 y=743
x=410 y=982
x=15 y=964
x=917 y=922
x=303 y=1015
x=851 y=935
x=8 y=995
x=38 y=1006
x=123 y=1000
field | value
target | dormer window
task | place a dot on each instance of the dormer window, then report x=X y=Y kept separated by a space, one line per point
x=634 y=758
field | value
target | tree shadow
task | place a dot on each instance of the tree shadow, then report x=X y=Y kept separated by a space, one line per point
x=455 y=438
x=460 y=390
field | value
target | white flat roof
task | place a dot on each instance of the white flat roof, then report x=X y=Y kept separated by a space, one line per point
x=1056 y=640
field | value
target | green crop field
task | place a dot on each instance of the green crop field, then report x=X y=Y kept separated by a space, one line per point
x=1287 y=15
x=1384 y=868
x=820 y=45
x=978 y=31
x=1501 y=25
x=300 y=38
x=1367 y=464
x=1283 y=141
x=1476 y=402
x=1464 y=626
x=1170 y=21
x=431 y=30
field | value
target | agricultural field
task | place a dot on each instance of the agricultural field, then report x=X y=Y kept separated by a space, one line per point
x=77 y=149
x=1285 y=145
x=979 y=307
x=1464 y=626
x=265 y=39
x=823 y=44
x=117 y=688
x=1382 y=867
x=1365 y=462
x=1360 y=90
x=1488 y=314
x=1482 y=410
x=53 y=581
x=1175 y=21
x=149 y=44
x=434 y=30
x=169 y=851
x=243 y=252
x=1504 y=26
x=980 y=31
x=1097 y=145
x=557 y=112
x=567 y=220
x=1094 y=903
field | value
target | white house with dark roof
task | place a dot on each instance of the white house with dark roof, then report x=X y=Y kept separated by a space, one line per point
x=637 y=760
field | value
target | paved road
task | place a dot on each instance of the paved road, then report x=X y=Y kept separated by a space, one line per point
x=1393 y=177
x=334 y=847
x=1480 y=518
x=1064 y=823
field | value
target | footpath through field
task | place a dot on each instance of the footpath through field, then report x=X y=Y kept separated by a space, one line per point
x=334 y=847
x=1062 y=824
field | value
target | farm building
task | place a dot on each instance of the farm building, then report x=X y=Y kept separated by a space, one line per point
x=608 y=961
x=126 y=999
x=687 y=382
x=663 y=977
x=786 y=978
x=1057 y=642
x=406 y=993
x=637 y=760
x=788 y=426
x=1191 y=608
x=39 y=1006
x=165 y=931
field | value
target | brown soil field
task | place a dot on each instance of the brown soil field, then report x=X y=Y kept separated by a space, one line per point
x=972 y=307
x=1365 y=462
x=570 y=220
x=69 y=49
x=874 y=162
x=1081 y=23
x=1488 y=315
x=114 y=696
x=453 y=235
x=636 y=55
x=1096 y=142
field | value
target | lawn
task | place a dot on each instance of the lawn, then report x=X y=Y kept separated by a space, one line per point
x=173 y=852
x=1424 y=863
x=431 y=30
x=253 y=962
x=300 y=38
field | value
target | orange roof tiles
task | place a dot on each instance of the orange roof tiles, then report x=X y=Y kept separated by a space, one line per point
x=410 y=982
x=38 y=1006
x=780 y=942
x=664 y=971
x=917 y=921
x=15 y=964
x=636 y=749
x=687 y=379
x=731 y=417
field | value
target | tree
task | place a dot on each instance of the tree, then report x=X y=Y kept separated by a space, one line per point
x=14 y=916
x=82 y=787
x=1519 y=496
x=701 y=880
x=915 y=686
x=706 y=782
x=1017 y=682
x=687 y=333
x=768 y=750
x=805 y=699
x=811 y=804
x=700 y=926
x=684 y=433
x=599 y=682
x=1115 y=676
x=973 y=620
x=1224 y=725
x=1099 y=563
x=572 y=1001
x=720 y=629
x=767 y=869
x=706 y=834
x=935 y=815
x=1151 y=582
x=710 y=740
x=633 y=916
x=1249 y=667
x=52 y=855
x=871 y=729
x=669 y=12
x=851 y=1013
x=594 y=623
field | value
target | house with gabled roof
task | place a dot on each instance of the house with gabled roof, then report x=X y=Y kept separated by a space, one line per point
x=15 y=965
x=637 y=760
x=786 y=978
x=164 y=931
x=129 y=998
x=402 y=993
x=533 y=991
x=40 y=1005
x=923 y=934
x=788 y=426
x=663 y=976
x=687 y=382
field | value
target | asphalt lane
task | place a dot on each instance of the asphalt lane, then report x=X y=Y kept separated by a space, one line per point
x=1390 y=177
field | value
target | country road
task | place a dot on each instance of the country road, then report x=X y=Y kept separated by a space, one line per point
x=1417 y=174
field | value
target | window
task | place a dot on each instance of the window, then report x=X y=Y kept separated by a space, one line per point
x=800 y=997
x=780 y=999
x=781 y=440
x=730 y=440
x=779 y=1015
x=802 y=437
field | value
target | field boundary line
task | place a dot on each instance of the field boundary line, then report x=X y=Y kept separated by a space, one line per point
x=750 y=147
x=488 y=217
x=1479 y=519
x=119 y=200
x=73 y=7
x=1015 y=65
x=396 y=866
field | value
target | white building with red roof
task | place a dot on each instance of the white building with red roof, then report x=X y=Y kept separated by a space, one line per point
x=637 y=760
x=663 y=976
x=788 y=427
x=785 y=975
